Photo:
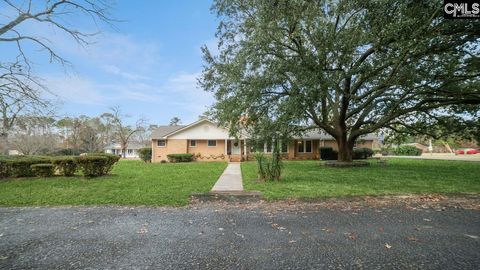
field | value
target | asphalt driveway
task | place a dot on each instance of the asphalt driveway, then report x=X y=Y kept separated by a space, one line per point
x=239 y=238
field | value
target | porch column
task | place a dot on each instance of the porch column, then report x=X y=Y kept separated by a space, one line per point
x=245 y=148
x=226 y=151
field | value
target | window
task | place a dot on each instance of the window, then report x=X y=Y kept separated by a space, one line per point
x=161 y=143
x=212 y=143
x=304 y=146
x=300 y=146
x=193 y=143
x=130 y=151
x=308 y=146
x=284 y=147
x=268 y=148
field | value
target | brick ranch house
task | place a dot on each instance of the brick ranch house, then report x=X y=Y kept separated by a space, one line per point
x=209 y=142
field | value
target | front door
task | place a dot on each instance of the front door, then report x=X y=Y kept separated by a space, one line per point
x=235 y=147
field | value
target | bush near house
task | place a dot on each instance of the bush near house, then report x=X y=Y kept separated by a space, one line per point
x=145 y=154
x=407 y=150
x=327 y=153
x=180 y=157
x=362 y=153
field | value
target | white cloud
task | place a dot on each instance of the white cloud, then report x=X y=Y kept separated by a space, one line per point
x=75 y=89
x=183 y=82
x=127 y=75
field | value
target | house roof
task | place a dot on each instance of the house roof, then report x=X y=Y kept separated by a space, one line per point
x=131 y=145
x=316 y=134
x=162 y=131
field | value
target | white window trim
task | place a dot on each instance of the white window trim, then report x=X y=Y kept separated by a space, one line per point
x=305 y=147
x=208 y=145
x=190 y=143
x=281 y=147
x=265 y=148
x=162 y=145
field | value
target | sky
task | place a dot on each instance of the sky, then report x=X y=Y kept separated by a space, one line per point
x=147 y=64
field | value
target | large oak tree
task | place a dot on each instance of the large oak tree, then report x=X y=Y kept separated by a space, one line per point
x=346 y=67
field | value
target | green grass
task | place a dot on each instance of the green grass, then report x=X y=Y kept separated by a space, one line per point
x=131 y=183
x=308 y=179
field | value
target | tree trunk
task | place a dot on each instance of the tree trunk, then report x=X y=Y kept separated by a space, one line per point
x=124 y=150
x=345 y=149
x=4 y=144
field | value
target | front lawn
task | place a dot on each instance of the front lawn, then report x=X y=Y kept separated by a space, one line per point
x=131 y=183
x=307 y=179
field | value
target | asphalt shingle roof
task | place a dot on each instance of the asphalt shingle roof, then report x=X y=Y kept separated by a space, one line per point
x=161 y=131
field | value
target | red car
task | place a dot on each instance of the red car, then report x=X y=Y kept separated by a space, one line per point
x=469 y=151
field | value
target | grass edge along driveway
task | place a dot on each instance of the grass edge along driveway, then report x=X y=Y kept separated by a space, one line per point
x=131 y=182
x=309 y=179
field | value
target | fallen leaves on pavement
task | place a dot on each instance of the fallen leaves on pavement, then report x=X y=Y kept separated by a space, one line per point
x=412 y=239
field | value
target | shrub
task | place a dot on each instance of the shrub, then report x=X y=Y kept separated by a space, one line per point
x=43 y=169
x=261 y=160
x=274 y=166
x=145 y=154
x=407 y=150
x=111 y=160
x=268 y=168
x=386 y=151
x=67 y=152
x=4 y=166
x=362 y=153
x=93 y=165
x=327 y=153
x=66 y=166
x=21 y=166
x=180 y=157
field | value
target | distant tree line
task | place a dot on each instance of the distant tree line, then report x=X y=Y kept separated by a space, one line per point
x=31 y=134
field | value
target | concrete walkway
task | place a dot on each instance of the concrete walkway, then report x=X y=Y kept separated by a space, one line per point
x=230 y=180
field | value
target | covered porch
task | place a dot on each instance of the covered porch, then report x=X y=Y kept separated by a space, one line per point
x=236 y=150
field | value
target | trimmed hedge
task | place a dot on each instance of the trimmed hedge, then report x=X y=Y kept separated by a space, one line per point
x=111 y=159
x=66 y=166
x=94 y=164
x=362 y=153
x=327 y=153
x=180 y=157
x=145 y=154
x=407 y=150
x=19 y=166
x=43 y=169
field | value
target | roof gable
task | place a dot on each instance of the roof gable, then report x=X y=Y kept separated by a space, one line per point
x=202 y=129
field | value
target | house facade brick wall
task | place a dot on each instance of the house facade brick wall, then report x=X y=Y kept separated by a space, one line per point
x=178 y=141
x=204 y=152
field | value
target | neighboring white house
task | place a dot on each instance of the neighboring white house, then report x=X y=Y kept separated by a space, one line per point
x=132 y=149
